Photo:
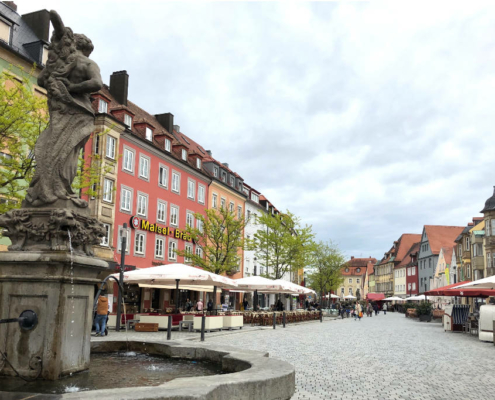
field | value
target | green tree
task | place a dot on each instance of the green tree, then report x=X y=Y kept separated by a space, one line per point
x=325 y=270
x=220 y=235
x=283 y=245
x=23 y=116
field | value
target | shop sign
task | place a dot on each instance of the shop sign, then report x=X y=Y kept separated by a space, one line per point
x=146 y=225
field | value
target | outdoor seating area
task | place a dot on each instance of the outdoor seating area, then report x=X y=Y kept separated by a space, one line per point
x=266 y=318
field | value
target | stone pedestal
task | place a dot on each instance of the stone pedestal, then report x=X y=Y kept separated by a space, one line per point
x=60 y=291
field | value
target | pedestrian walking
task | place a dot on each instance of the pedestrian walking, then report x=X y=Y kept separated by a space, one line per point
x=199 y=305
x=188 y=305
x=369 y=310
x=375 y=307
x=101 y=314
x=384 y=308
x=358 y=312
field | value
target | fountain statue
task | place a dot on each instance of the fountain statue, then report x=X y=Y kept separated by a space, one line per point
x=49 y=267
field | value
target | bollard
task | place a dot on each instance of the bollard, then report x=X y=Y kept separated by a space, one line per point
x=169 y=328
x=203 y=322
x=283 y=318
x=321 y=316
x=274 y=321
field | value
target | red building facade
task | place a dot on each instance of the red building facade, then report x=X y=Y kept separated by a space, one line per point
x=411 y=263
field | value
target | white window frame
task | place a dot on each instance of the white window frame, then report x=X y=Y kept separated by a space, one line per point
x=102 y=106
x=174 y=188
x=198 y=163
x=164 y=204
x=358 y=280
x=105 y=240
x=199 y=225
x=467 y=243
x=199 y=251
x=414 y=286
x=149 y=134
x=110 y=148
x=139 y=204
x=191 y=189
x=160 y=174
x=201 y=194
x=255 y=197
x=223 y=202
x=158 y=255
x=187 y=247
x=176 y=214
x=140 y=246
x=214 y=200
x=168 y=145
x=239 y=212
x=128 y=120
x=144 y=167
x=215 y=172
x=172 y=255
x=231 y=206
x=122 y=197
x=107 y=191
x=128 y=160
x=183 y=154
x=189 y=219
x=350 y=280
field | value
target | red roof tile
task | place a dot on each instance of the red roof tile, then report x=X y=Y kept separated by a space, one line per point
x=408 y=259
x=442 y=236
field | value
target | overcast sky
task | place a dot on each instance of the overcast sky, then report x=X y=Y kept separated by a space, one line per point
x=366 y=120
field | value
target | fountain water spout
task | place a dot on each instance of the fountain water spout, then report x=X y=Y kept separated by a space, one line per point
x=28 y=320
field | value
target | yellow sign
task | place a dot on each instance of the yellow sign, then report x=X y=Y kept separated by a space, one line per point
x=145 y=225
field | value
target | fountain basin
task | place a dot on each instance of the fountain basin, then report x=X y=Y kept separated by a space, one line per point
x=246 y=375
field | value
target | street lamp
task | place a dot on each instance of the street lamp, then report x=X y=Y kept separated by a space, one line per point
x=123 y=245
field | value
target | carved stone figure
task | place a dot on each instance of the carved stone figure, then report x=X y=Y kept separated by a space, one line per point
x=69 y=77
x=52 y=216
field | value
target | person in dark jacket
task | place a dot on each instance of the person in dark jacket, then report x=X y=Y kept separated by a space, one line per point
x=209 y=306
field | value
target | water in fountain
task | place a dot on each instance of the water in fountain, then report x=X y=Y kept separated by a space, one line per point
x=140 y=370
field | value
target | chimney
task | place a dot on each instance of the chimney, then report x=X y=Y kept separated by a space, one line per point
x=177 y=128
x=208 y=152
x=167 y=121
x=352 y=257
x=119 y=85
x=11 y=4
x=38 y=21
x=225 y=164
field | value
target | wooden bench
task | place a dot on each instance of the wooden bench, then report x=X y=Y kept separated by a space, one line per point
x=146 y=327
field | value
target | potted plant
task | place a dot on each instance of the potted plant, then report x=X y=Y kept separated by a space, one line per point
x=424 y=311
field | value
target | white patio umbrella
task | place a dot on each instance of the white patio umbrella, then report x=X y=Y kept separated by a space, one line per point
x=350 y=297
x=292 y=288
x=416 y=298
x=393 y=298
x=332 y=296
x=261 y=284
x=182 y=274
x=485 y=283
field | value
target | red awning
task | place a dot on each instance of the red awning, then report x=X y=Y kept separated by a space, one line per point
x=439 y=291
x=466 y=292
x=375 y=296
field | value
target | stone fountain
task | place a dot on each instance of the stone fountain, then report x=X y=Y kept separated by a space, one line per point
x=50 y=268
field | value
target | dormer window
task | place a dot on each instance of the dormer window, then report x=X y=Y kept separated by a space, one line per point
x=128 y=120
x=5 y=31
x=44 y=55
x=255 y=197
x=198 y=163
x=168 y=144
x=224 y=176
x=232 y=181
x=102 y=106
x=149 y=134
x=184 y=154
x=215 y=172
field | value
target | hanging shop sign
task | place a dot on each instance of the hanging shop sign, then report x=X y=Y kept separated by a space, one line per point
x=145 y=225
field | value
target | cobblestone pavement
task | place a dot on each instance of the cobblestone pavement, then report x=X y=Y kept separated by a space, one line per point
x=383 y=357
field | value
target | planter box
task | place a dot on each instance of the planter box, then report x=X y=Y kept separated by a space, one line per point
x=144 y=327
x=411 y=313
x=438 y=313
x=233 y=321
x=211 y=322
x=425 y=318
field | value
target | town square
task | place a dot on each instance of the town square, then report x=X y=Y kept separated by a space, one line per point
x=247 y=200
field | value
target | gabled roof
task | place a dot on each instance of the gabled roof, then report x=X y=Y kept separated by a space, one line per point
x=442 y=236
x=408 y=259
x=447 y=254
x=405 y=243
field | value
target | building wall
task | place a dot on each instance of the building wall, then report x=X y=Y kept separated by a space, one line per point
x=400 y=283
x=427 y=262
x=150 y=187
x=252 y=212
x=412 y=280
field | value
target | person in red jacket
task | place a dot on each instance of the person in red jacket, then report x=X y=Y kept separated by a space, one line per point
x=101 y=314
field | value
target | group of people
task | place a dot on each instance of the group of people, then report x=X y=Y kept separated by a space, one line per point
x=313 y=305
x=356 y=310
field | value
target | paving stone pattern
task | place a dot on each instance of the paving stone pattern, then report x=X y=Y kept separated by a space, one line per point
x=383 y=357
x=386 y=357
